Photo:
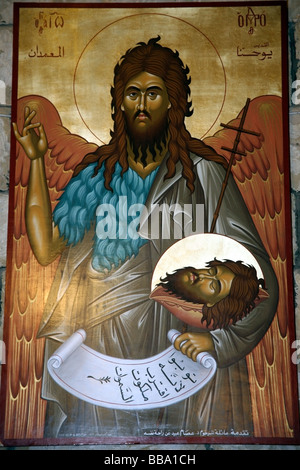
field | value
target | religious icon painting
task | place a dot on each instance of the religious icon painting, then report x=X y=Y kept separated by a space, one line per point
x=149 y=293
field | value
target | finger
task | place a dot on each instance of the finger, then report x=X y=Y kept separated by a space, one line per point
x=16 y=131
x=42 y=132
x=26 y=112
x=29 y=127
x=190 y=351
x=195 y=354
x=180 y=339
x=186 y=346
x=29 y=117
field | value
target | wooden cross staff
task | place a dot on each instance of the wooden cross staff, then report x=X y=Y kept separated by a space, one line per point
x=233 y=151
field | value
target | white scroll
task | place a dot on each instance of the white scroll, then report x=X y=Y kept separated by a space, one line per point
x=126 y=384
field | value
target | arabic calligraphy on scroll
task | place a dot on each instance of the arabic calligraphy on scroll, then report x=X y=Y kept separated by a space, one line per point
x=157 y=381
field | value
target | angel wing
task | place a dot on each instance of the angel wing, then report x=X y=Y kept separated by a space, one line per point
x=269 y=364
x=31 y=281
x=261 y=176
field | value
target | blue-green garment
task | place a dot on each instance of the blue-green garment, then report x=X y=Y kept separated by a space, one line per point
x=85 y=195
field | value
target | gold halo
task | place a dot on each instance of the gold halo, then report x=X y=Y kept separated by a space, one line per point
x=197 y=250
x=94 y=69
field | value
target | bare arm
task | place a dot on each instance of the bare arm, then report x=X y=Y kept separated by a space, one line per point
x=43 y=235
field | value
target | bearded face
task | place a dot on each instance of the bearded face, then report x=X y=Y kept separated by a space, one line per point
x=146 y=106
x=207 y=286
x=156 y=128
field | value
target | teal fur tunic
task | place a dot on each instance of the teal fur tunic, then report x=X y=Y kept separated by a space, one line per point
x=86 y=201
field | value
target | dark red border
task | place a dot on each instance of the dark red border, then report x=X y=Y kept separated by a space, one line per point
x=285 y=83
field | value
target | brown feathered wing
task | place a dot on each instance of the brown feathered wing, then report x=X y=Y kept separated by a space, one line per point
x=261 y=176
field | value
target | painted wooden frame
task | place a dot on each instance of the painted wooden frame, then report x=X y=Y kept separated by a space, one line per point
x=64 y=66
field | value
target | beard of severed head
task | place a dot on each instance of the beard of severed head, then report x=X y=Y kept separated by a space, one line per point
x=152 y=142
x=174 y=284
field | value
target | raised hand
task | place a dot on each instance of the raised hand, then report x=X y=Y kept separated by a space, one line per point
x=44 y=237
x=34 y=143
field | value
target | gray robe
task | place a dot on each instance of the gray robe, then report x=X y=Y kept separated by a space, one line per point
x=121 y=321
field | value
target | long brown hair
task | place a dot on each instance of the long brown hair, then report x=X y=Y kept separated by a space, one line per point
x=241 y=299
x=165 y=63
x=236 y=305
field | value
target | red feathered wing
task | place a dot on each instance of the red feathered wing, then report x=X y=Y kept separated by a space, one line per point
x=24 y=409
x=261 y=176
